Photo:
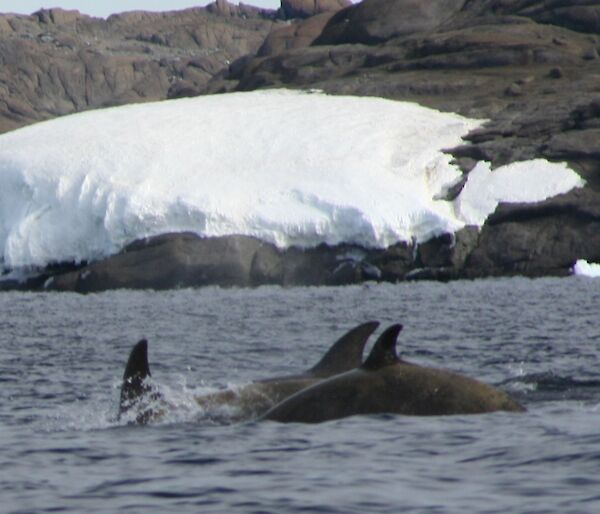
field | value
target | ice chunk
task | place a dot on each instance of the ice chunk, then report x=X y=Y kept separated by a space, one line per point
x=586 y=269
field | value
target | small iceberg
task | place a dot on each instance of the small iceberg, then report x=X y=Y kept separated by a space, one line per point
x=584 y=268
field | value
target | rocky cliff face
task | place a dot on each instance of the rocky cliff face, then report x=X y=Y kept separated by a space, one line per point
x=57 y=62
x=531 y=67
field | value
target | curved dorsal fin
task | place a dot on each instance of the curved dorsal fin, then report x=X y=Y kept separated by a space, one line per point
x=346 y=353
x=383 y=352
x=136 y=371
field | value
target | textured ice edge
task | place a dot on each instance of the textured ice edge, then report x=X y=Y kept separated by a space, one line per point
x=288 y=167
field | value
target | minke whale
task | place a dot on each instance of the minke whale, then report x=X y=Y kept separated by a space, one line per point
x=384 y=383
x=139 y=396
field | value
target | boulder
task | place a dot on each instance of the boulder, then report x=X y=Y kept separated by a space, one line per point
x=376 y=21
x=294 y=35
x=175 y=260
x=540 y=239
x=291 y=9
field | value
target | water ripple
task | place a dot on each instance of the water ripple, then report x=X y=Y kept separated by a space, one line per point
x=62 y=358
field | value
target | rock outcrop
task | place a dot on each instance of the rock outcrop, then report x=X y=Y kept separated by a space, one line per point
x=186 y=260
x=291 y=9
x=377 y=21
x=294 y=35
x=57 y=62
x=531 y=67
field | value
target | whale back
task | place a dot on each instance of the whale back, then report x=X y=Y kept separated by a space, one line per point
x=343 y=355
x=346 y=353
x=384 y=384
x=251 y=400
x=256 y=398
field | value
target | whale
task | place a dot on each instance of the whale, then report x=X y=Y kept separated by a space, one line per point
x=386 y=384
x=140 y=396
x=137 y=393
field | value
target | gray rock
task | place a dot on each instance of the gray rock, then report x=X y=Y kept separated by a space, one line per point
x=539 y=239
x=177 y=260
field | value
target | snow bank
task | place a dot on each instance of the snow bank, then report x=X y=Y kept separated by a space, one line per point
x=586 y=269
x=291 y=168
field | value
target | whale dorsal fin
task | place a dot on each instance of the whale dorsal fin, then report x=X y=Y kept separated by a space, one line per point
x=136 y=371
x=383 y=352
x=346 y=353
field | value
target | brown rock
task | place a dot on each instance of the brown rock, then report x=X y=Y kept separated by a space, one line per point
x=57 y=16
x=375 y=21
x=295 y=35
x=57 y=62
x=307 y=8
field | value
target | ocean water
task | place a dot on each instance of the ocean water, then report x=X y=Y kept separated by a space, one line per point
x=62 y=358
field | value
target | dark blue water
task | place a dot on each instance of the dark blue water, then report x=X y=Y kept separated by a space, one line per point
x=62 y=358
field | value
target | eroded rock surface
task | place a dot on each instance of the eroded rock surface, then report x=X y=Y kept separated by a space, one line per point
x=57 y=62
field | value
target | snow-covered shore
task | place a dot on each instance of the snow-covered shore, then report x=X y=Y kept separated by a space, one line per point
x=290 y=168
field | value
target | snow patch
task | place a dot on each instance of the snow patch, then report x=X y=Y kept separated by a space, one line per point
x=525 y=181
x=288 y=167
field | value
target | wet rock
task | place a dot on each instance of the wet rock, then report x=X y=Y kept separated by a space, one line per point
x=167 y=261
x=448 y=251
x=187 y=260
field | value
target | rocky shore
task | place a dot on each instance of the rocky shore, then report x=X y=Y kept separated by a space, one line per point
x=531 y=67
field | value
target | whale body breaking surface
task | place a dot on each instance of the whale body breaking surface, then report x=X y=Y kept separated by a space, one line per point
x=340 y=385
x=287 y=167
